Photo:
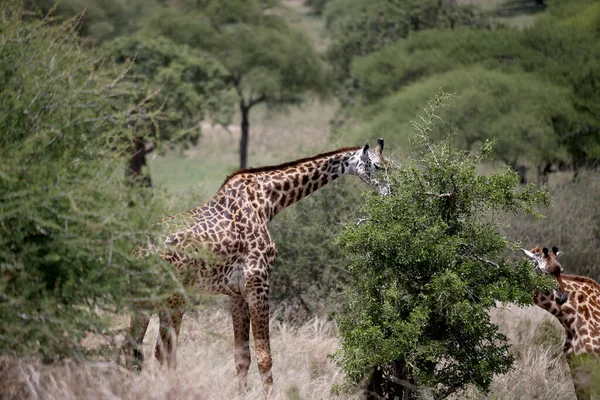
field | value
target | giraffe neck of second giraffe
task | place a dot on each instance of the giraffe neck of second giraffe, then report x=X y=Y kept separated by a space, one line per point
x=564 y=313
x=283 y=188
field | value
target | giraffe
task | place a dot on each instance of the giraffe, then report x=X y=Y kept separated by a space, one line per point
x=577 y=310
x=232 y=229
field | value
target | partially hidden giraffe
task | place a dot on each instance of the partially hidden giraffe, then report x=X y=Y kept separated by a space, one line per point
x=578 y=311
x=233 y=229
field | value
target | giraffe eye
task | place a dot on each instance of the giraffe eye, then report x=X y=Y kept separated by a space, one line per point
x=377 y=167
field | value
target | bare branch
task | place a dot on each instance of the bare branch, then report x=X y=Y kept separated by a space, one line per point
x=440 y=195
x=259 y=99
x=122 y=75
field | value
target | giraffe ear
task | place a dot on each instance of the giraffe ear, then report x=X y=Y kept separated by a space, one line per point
x=366 y=147
x=379 y=147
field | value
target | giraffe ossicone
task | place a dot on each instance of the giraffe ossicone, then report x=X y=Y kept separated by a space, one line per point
x=577 y=309
x=233 y=228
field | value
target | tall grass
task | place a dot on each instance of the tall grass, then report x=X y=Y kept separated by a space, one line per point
x=302 y=368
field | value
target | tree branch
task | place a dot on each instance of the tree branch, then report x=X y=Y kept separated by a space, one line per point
x=488 y=262
x=259 y=99
x=441 y=195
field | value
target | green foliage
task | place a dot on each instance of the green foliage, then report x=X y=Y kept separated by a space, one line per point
x=265 y=58
x=317 y=6
x=190 y=84
x=359 y=28
x=104 y=19
x=429 y=262
x=554 y=61
x=67 y=225
x=518 y=111
x=267 y=61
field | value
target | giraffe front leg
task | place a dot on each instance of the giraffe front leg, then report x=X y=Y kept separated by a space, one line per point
x=132 y=348
x=240 y=315
x=258 y=300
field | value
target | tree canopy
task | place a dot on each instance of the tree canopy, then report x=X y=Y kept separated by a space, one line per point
x=526 y=87
x=266 y=60
x=359 y=28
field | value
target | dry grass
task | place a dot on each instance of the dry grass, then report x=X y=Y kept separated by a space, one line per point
x=302 y=368
x=541 y=370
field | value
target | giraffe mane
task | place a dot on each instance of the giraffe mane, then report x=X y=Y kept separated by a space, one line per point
x=582 y=279
x=286 y=165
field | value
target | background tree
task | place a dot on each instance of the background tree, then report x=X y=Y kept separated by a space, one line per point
x=358 y=28
x=267 y=61
x=66 y=222
x=102 y=20
x=556 y=55
x=190 y=85
x=429 y=262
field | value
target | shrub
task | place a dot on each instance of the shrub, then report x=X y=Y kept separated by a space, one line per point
x=428 y=263
x=67 y=224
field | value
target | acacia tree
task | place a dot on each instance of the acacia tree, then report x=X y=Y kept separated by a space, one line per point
x=267 y=61
x=428 y=263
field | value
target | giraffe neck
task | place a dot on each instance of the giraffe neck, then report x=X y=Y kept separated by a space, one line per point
x=548 y=301
x=284 y=185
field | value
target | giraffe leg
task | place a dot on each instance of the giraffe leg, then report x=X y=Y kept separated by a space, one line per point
x=134 y=355
x=258 y=300
x=240 y=314
x=170 y=324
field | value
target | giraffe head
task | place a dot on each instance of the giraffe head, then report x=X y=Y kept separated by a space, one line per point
x=546 y=262
x=365 y=162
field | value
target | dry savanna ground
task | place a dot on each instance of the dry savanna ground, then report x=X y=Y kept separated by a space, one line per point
x=302 y=366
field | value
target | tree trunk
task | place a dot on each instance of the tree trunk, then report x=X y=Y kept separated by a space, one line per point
x=245 y=135
x=137 y=164
x=543 y=173
x=521 y=170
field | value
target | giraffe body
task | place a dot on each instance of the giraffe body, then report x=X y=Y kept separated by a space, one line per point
x=579 y=314
x=224 y=247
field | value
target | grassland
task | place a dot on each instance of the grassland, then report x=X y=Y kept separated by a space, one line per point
x=302 y=366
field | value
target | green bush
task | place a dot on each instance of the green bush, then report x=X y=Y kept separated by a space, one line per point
x=67 y=220
x=428 y=263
